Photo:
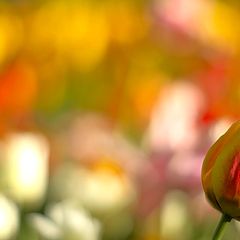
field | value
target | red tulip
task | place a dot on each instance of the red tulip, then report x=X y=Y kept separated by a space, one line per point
x=221 y=173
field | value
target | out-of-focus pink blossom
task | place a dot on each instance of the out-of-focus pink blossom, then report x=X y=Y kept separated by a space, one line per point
x=180 y=15
x=174 y=125
x=91 y=137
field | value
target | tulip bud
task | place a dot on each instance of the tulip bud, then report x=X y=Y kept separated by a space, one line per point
x=221 y=173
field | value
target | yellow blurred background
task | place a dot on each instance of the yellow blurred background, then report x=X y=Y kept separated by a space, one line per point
x=107 y=109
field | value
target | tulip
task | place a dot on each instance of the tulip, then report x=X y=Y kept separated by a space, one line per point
x=221 y=176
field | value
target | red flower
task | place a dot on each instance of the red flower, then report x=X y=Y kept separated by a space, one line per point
x=221 y=173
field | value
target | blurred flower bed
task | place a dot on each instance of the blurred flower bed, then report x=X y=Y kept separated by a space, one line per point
x=107 y=109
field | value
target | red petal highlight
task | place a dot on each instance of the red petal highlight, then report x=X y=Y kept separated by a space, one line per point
x=232 y=188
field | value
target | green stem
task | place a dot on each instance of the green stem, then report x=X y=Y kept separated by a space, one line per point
x=221 y=226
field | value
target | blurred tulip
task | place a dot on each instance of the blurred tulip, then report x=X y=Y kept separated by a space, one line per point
x=182 y=101
x=66 y=221
x=220 y=173
x=27 y=168
x=103 y=189
x=9 y=219
x=77 y=34
x=18 y=89
x=91 y=138
x=174 y=217
x=216 y=27
x=127 y=22
x=11 y=35
x=182 y=15
x=74 y=221
x=45 y=227
x=208 y=22
x=105 y=165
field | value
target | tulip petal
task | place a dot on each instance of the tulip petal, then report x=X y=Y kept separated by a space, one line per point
x=226 y=173
x=209 y=162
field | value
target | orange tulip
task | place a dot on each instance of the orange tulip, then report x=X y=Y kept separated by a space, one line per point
x=221 y=173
